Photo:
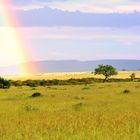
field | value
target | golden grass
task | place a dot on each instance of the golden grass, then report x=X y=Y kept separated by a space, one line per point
x=64 y=76
x=100 y=111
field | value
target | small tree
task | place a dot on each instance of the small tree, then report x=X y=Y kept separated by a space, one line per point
x=106 y=70
x=132 y=76
x=4 y=84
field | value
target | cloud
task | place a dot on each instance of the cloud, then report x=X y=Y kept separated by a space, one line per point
x=27 y=2
x=93 y=8
x=90 y=6
x=54 y=17
x=48 y=17
x=77 y=43
x=97 y=6
x=84 y=34
x=83 y=42
x=97 y=34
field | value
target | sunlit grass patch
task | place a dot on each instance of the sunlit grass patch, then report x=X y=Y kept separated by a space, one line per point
x=100 y=112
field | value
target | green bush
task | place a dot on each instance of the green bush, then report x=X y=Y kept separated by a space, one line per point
x=4 y=84
x=32 y=83
x=126 y=91
x=36 y=94
x=42 y=82
x=17 y=83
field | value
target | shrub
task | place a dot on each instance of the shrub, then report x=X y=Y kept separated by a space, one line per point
x=132 y=76
x=36 y=94
x=42 y=83
x=32 y=83
x=126 y=91
x=5 y=84
x=17 y=83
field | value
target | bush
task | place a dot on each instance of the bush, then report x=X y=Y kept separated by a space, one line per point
x=4 y=84
x=36 y=94
x=42 y=83
x=17 y=83
x=132 y=76
x=126 y=91
x=32 y=83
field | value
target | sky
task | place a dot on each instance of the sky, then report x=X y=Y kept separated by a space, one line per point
x=75 y=29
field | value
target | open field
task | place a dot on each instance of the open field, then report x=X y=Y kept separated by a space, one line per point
x=76 y=75
x=99 y=111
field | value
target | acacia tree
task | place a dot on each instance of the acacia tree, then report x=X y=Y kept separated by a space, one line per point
x=106 y=70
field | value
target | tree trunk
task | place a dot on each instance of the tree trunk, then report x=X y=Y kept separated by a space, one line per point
x=105 y=79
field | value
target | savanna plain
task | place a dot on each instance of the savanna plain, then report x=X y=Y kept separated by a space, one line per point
x=96 y=111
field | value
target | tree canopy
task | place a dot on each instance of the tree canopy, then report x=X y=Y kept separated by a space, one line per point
x=4 y=83
x=106 y=70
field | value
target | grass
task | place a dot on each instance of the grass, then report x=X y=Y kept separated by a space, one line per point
x=100 y=111
x=69 y=75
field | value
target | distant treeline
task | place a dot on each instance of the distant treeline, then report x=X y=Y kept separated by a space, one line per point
x=83 y=81
x=34 y=83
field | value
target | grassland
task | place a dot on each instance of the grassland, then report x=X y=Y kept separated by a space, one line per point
x=76 y=75
x=99 y=111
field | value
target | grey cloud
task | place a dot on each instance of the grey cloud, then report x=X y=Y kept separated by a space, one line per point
x=48 y=17
x=28 y=2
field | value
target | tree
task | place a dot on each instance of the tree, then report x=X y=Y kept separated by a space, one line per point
x=4 y=84
x=106 y=70
x=132 y=76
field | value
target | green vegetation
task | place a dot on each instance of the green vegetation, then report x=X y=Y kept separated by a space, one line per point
x=96 y=111
x=4 y=84
x=36 y=94
x=84 y=81
x=132 y=76
x=35 y=83
x=106 y=70
x=126 y=91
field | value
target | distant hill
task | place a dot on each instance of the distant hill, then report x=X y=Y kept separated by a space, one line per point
x=73 y=66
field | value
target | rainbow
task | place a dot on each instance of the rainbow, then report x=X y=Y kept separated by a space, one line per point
x=13 y=39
